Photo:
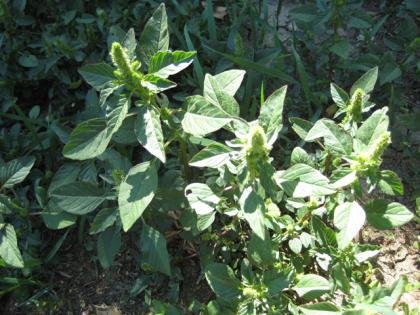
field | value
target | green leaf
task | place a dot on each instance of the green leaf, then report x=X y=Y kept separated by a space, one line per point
x=341 y=49
x=229 y=81
x=271 y=113
x=260 y=250
x=156 y=84
x=129 y=43
x=372 y=128
x=28 y=61
x=301 y=126
x=336 y=139
x=301 y=181
x=9 y=249
x=201 y=198
x=339 y=96
x=323 y=308
x=349 y=218
x=103 y=220
x=390 y=183
x=115 y=112
x=149 y=131
x=222 y=281
x=311 y=286
x=389 y=73
x=98 y=75
x=15 y=171
x=108 y=246
x=252 y=206
x=166 y=63
x=66 y=174
x=155 y=35
x=383 y=215
x=57 y=219
x=299 y=155
x=202 y=117
x=78 y=198
x=136 y=192
x=366 y=82
x=256 y=66
x=295 y=245
x=88 y=140
x=214 y=156
x=216 y=95
x=153 y=249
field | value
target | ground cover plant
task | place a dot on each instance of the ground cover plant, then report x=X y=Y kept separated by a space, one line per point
x=180 y=156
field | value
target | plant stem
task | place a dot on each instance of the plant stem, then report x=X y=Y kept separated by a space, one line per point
x=80 y=232
x=184 y=158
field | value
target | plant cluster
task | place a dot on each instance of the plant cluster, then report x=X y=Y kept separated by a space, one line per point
x=275 y=224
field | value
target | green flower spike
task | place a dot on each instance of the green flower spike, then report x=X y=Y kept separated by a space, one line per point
x=256 y=150
x=354 y=110
x=120 y=60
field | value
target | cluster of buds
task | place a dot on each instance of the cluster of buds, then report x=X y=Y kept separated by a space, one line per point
x=126 y=71
x=256 y=150
x=355 y=108
x=372 y=157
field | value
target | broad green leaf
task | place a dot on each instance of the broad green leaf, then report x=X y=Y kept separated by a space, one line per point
x=108 y=246
x=336 y=139
x=66 y=174
x=155 y=35
x=390 y=183
x=136 y=192
x=9 y=249
x=373 y=127
x=149 y=131
x=56 y=219
x=271 y=113
x=229 y=81
x=214 y=156
x=323 y=234
x=383 y=215
x=103 y=220
x=301 y=181
x=203 y=117
x=78 y=198
x=252 y=206
x=129 y=43
x=222 y=281
x=390 y=72
x=215 y=93
x=366 y=82
x=323 y=308
x=341 y=49
x=339 y=96
x=295 y=245
x=301 y=126
x=116 y=110
x=311 y=286
x=15 y=171
x=260 y=250
x=98 y=75
x=156 y=84
x=153 y=249
x=166 y=63
x=349 y=218
x=348 y=178
x=201 y=198
x=88 y=140
x=299 y=155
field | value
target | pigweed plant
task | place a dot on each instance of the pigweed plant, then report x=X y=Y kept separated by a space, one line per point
x=269 y=241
